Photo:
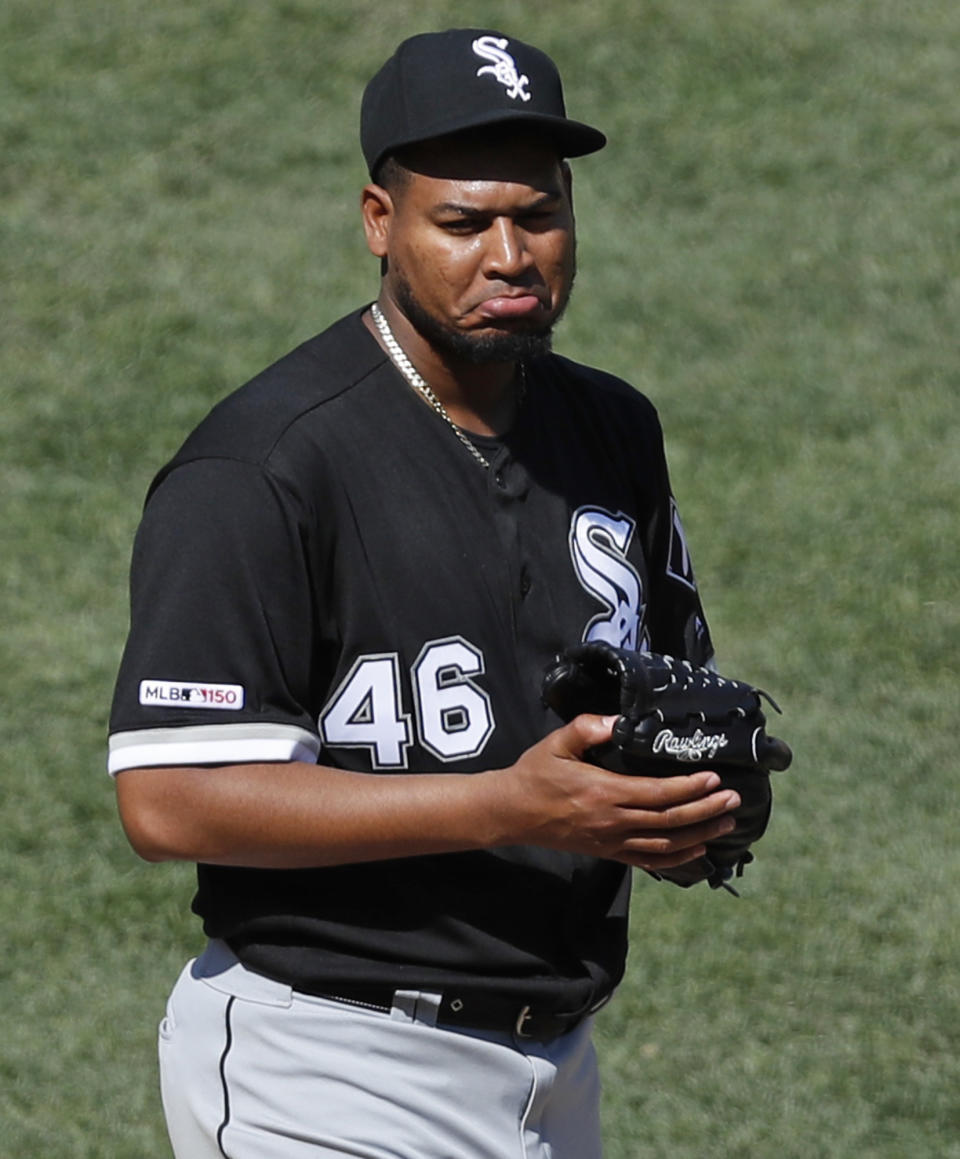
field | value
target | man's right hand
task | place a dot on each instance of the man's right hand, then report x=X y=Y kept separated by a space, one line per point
x=552 y=798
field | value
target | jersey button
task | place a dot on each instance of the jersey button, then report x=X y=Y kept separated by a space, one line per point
x=525 y=585
x=498 y=479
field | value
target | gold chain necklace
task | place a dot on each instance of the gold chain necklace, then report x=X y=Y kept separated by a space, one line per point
x=416 y=380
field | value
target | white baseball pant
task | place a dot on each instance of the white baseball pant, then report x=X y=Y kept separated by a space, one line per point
x=251 y=1069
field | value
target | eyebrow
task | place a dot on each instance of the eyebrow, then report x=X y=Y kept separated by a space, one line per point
x=471 y=211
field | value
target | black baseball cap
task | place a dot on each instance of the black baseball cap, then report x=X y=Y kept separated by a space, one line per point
x=444 y=82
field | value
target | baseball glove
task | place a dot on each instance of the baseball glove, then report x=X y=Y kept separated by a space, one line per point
x=674 y=719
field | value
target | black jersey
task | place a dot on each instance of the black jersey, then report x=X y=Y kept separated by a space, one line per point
x=324 y=573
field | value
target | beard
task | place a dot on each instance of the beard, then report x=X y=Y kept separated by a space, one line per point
x=474 y=349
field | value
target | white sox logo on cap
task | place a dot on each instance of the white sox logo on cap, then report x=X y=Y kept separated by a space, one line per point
x=503 y=67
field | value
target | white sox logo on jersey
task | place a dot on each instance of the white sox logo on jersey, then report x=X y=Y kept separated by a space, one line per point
x=599 y=541
x=503 y=67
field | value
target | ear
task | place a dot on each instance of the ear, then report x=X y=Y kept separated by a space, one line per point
x=376 y=206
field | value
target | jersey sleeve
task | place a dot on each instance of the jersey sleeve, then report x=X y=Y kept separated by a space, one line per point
x=217 y=665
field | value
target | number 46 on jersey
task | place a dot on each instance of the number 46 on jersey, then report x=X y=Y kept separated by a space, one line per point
x=454 y=717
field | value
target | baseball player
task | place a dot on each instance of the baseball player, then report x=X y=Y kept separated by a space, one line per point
x=345 y=589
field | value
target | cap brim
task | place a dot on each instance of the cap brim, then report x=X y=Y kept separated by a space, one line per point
x=573 y=138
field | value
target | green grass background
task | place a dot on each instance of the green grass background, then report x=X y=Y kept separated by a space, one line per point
x=769 y=249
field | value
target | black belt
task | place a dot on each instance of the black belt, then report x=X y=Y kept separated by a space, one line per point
x=470 y=1011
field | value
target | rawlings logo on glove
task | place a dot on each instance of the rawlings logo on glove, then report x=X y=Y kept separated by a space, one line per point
x=674 y=718
x=689 y=748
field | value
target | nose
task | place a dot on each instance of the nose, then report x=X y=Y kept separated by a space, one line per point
x=506 y=251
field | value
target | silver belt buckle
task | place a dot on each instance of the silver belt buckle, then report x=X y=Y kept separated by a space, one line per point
x=522 y=1019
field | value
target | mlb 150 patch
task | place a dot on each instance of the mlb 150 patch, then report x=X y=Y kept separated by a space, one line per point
x=177 y=693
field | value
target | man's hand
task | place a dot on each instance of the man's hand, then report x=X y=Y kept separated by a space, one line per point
x=550 y=797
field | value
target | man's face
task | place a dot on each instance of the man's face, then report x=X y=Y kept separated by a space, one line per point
x=480 y=246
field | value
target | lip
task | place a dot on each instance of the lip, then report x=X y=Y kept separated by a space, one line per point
x=506 y=306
